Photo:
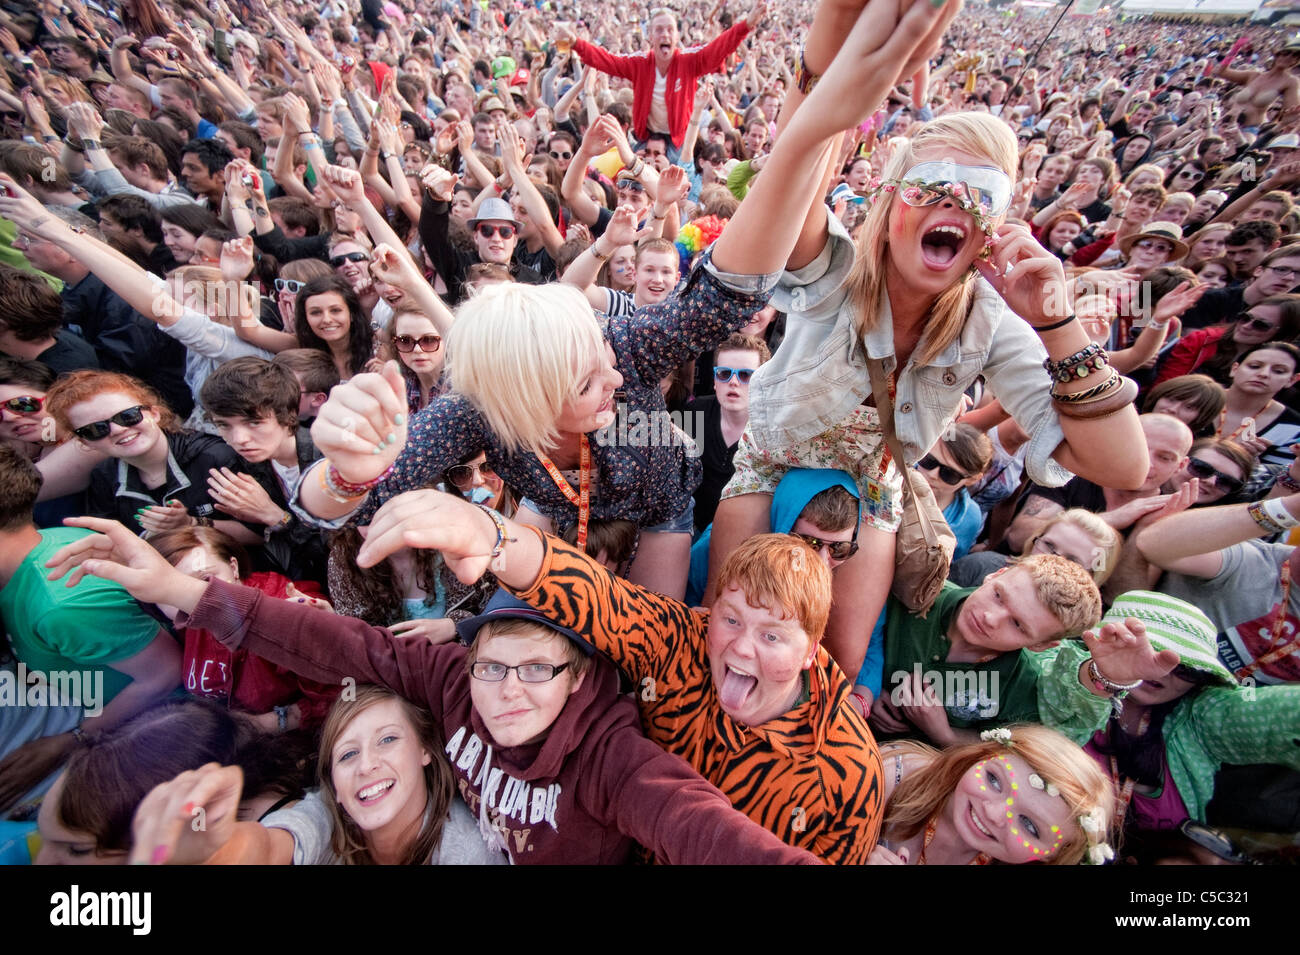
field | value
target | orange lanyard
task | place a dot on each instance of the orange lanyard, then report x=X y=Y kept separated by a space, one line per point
x=1223 y=418
x=1124 y=790
x=930 y=828
x=581 y=499
x=1276 y=650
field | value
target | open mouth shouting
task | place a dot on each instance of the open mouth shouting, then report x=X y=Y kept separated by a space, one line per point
x=942 y=243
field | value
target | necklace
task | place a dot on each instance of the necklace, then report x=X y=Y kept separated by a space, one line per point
x=1223 y=418
x=930 y=827
x=1124 y=788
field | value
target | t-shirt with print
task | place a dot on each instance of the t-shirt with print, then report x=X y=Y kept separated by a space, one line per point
x=311 y=825
x=1242 y=600
x=88 y=628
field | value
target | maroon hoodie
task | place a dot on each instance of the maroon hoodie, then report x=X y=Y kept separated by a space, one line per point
x=584 y=795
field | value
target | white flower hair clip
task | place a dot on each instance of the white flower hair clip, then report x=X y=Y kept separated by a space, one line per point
x=1036 y=781
x=1001 y=735
x=1094 y=826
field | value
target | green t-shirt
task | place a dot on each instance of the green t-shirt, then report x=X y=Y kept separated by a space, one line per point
x=52 y=627
x=1021 y=687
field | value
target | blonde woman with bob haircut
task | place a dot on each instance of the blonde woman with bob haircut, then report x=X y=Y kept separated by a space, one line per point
x=940 y=289
x=1024 y=793
x=637 y=470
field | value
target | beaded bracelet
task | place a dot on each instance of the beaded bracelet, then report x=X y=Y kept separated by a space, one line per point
x=497 y=559
x=343 y=491
x=1079 y=365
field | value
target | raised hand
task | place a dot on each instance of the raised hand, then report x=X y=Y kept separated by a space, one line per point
x=186 y=820
x=1124 y=654
x=433 y=520
x=115 y=553
x=513 y=150
x=346 y=183
x=622 y=228
x=1175 y=303
x=1029 y=278
x=674 y=186
x=19 y=207
x=393 y=267
x=445 y=141
x=440 y=183
x=361 y=429
x=237 y=259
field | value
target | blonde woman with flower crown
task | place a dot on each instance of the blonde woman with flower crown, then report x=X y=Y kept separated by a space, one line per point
x=1022 y=794
x=940 y=288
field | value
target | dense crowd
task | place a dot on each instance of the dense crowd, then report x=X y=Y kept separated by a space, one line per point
x=436 y=431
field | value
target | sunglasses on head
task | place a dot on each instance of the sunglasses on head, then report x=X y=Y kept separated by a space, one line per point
x=724 y=375
x=24 y=404
x=946 y=474
x=839 y=550
x=556 y=154
x=407 y=343
x=1254 y=322
x=292 y=286
x=98 y=430
x=630 y=185
x=349 y=257
x=1205 y=471
x=487 y=231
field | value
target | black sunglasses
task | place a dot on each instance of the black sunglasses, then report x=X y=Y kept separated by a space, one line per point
x=24 y=404
x=487 y=231
x=98 y=430
x=559 y=155
x=724 y=374
x=1206 y=471
x=406 y=343
x=1251 y=321
x=946 y=474
x=839 y=550
x=349 y=257
x=292 y=286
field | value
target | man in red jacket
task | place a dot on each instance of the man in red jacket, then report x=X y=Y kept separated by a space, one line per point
x=664 y=78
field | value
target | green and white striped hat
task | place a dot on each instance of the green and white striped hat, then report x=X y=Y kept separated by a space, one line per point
x=1174 y=624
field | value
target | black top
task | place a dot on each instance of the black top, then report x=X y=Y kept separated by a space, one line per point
x=68 y=353
x=127 y=341
x=117 y=491
x=716 y=458
x=297 y=550
x=450 y=262
x=1216 y=306
x=1077 y=492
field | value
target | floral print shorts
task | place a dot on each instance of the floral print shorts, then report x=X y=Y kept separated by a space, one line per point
x=857 y=446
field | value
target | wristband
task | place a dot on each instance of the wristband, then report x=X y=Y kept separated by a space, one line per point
x=90 y=144
x=602 y=256
x=80 y=735
x=1278 y=513
x=282 y=717
x=861 y=704
x=497 y=561
x=1261 y=517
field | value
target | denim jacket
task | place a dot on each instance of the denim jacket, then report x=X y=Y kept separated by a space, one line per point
x=819 y=374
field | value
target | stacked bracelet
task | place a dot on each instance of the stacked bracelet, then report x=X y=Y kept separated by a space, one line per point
x=1105 y=685
x=1118 y=393
x=1258 y=515
x=636 y=168
x=343 y=491
x=1079 y=365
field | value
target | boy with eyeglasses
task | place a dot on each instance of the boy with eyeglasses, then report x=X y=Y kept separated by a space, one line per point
x=546 y=750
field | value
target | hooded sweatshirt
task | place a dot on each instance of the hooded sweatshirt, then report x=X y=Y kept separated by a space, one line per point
x=583 y=795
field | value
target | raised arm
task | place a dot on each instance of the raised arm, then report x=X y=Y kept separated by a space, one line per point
x=1192 y=542
x=584 y=269
x=136 y=286
x=512 y=155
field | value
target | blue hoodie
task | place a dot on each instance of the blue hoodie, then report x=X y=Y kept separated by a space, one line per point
x=797 y=488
